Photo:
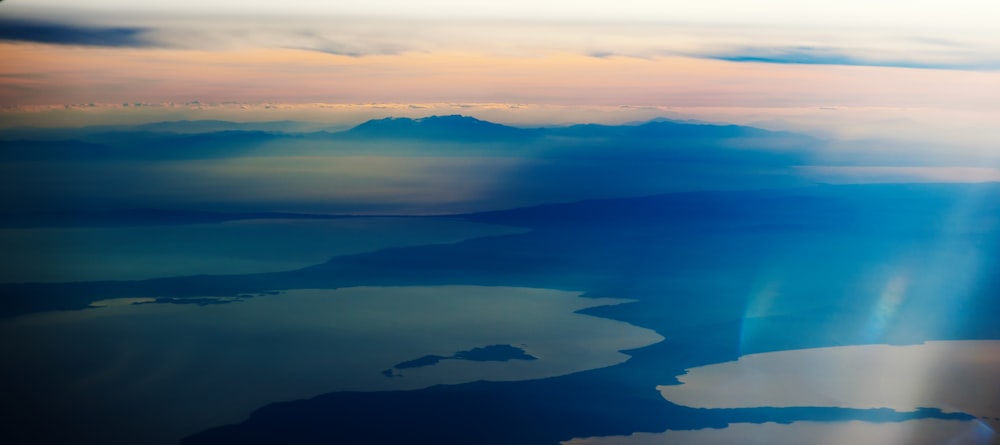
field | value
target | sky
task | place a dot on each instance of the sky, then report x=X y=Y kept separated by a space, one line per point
x=712 y=53
x=914 y=71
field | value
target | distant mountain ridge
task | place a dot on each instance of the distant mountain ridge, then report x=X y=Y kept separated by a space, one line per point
x=455 y=127
x=459 y=127
x=221 y=139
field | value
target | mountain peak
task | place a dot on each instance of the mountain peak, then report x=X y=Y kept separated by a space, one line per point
x=449 y=127
x=452 y=119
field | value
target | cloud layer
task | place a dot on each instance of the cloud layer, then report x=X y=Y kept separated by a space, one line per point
x=921 y=36
x=69 y=34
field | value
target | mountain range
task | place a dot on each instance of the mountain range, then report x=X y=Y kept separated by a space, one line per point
x=220 y=139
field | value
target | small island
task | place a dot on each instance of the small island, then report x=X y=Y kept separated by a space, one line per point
x=491 y=353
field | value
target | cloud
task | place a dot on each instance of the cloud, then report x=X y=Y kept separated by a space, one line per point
x=66 y=34
x=770 y=13
x=810 y=55
x=346 y=33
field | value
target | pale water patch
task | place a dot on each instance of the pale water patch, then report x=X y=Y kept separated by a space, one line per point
x=911 y=432
x=953 y=376
x=175 y=369
x=235 y=247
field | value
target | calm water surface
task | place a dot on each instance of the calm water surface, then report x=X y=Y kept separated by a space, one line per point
x=139 y=373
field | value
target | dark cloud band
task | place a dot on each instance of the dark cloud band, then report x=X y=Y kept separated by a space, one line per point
x=833 y=56
x=62 y=34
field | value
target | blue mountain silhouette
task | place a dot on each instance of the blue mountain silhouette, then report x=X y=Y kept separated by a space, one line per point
x=221 y=139
x=452 y=127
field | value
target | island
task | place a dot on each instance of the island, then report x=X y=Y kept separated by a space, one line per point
x=491 y=353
